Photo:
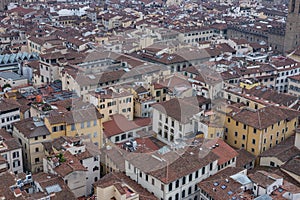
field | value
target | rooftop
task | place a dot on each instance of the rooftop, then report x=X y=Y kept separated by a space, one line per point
x=120 y=124
x=117 y=178
x=11 y=75
x=169 y=166
x=178 y=109
x=31 y=128
x=264 y=117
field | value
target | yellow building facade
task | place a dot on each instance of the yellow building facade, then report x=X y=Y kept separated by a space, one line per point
x=159 y=92
x=258 y=130
x=110 y=102
x=77 y=123
x=31 y=133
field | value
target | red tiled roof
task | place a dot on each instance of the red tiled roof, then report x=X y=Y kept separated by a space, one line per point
x=113 y=178
x=71 y=164
x=223 y=151
x=120 y=124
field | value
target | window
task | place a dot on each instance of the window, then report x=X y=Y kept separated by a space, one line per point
x=96 y=168
x=123 y=136
x=16 y=163
x=170 y=187
x=203 y=170
x=228 y=120
x=197 y=174
x=211 y=166
x=4 y=156
x=117 y=138
x=237 y=123
x=158 y=93
x=245 y=126
x=177 y=184
x=95 y=122
x=36 y=149
x=128 y=100
x=244 y=137
x=82 y=125
x=88 y=124
x=183 y=194
x=54 y=129
x=129 y=165
x=36 y=138
x=235 y=134
x=15 y=154
x=190 y=190
x=37 y=160
x=272 y=164
x=253 y=141
x=62 y=127
x=190 y=177
x=95 y=134
x=153 y=181
x=72 y=127
x=252 y=150
x=254 y=130
x=183 y=180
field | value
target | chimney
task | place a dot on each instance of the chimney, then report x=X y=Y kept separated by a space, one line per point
x=297 y=138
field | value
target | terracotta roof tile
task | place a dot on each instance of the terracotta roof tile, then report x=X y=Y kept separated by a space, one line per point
x=292 y=166
x=284 y=151
x=120 y=124
x=118 y=177
x=264 y=117
x=72 y=164
x=178 y=109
